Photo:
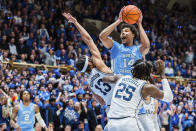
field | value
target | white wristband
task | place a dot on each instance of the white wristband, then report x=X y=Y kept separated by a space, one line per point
x=40 y=120
x=168 y=96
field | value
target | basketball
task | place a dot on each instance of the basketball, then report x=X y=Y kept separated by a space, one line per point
x=130 y=14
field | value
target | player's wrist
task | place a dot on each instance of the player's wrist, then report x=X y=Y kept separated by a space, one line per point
x=119 y=20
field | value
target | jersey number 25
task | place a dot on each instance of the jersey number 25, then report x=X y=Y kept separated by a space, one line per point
x=119 y=92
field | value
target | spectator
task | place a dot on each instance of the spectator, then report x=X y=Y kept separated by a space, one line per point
x=67 y=128
x=93 y=116
x=44 y=32
x=12 y=46
x=3 y=43
x=169 y=71
x=164 y=114
x=98 y=128
x=50 y=57
x=189 y=55
x=38 y=127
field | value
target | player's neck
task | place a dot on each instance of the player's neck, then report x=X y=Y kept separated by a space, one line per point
x=129 y=44
x=26 y=103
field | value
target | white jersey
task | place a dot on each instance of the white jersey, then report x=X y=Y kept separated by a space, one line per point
x=104 y=90
x=127 y=98
x=147 y=118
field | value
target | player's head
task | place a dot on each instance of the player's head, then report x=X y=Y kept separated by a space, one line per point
x=142 y=70
x=84 y=64
x=25 y=95
x=128 y=33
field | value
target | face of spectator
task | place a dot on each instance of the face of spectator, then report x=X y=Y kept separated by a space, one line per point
x=36 y=100
x=178 y=73
x=75 y=88
x=179 y=109
x=38 y=127
x=190 y=107
x=71 y=103
x=50 y=127
x=86 y=97
x=126 y=35
x=3 y=127
x=169 y=65
x=164 y=106
x=11 y=92
x=176 y=92
x=5 y=54
x=184 y=66
x=4 y=38
x=81 y=126
x=77 y=106
x=67 y=128
x=80 y=97
x=94 y=104
x=98 y=128
x=12 y=41
x=18 y=89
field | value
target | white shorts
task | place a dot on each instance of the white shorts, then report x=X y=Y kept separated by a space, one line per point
x=147 y=122
x=124 y=124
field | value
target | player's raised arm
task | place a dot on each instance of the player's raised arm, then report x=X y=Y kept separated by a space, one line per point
x=149 y=89
x=111 y=79
x=85 y=36
x=13 y=117
x=144 y=49
x=103 y=36
x=39 y=118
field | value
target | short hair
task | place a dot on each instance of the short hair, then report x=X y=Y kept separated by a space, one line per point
x=21 y=94
x=131 y=27
x=142 y=70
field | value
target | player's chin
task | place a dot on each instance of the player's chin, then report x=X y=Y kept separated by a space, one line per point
x=124 y=41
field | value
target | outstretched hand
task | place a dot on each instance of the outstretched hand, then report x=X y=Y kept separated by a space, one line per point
x=160 y=67
x=140 y=19
x=69 y=17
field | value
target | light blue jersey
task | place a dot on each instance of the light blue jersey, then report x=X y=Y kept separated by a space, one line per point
x=26 y=117
x=123 y=57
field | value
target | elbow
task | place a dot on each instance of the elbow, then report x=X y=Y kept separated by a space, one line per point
x=147 y=45
x=102 y=36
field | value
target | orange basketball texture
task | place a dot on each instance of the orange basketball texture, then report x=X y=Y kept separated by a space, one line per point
x=130 y=14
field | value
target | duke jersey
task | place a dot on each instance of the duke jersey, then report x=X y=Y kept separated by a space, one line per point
x=123 y=57
x=147 y=118
x=149 y=108
x=104 y=90
x=26 y=117
x=126 y=99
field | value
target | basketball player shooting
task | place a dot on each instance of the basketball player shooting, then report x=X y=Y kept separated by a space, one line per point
x=26 y=113
x=94 y=66
x=124 y=55
x=130 y=93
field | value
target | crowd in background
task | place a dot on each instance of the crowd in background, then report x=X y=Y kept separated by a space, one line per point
x=34 y=31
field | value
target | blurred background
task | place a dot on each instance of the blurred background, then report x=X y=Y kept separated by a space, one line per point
x=38 y=49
